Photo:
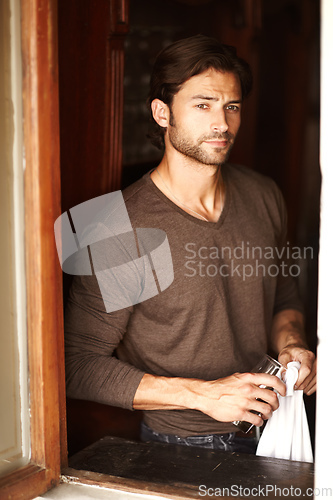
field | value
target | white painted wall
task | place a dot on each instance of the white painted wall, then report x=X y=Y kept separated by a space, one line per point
x=324 y=433
x=14 y=409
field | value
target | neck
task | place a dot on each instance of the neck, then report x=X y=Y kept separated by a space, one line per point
x=197 y=189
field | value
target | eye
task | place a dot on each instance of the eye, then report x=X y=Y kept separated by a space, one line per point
x=202 y=106
x=233 y=108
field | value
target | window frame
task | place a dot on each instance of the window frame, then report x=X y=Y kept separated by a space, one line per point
x=43 y=273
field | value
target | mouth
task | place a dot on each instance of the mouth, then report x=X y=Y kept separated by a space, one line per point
x=217 y=143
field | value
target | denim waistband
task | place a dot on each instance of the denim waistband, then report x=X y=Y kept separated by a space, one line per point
x=227 y=442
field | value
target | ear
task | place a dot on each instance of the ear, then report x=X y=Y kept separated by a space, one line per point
x=160 y=112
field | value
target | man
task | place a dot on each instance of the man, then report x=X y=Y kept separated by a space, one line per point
x=184 y=355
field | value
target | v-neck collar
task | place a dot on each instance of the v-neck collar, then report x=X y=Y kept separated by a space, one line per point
x=203 y=223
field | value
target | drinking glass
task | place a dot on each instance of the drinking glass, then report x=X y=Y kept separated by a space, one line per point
x=266 y=365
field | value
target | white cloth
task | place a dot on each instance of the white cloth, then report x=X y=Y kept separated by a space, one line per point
x=286 y=434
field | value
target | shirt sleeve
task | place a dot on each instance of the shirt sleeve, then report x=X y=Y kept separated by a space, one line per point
x=92 y=335
x=287 y=296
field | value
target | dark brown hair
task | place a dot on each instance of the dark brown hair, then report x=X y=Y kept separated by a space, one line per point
x=188 y=57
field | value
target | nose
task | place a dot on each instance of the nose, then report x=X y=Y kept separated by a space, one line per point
x=220 y=122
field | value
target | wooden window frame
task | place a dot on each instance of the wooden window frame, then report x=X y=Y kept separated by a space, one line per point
x=43 y=273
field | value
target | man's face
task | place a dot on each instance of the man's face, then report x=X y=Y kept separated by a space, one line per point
x=205 y=117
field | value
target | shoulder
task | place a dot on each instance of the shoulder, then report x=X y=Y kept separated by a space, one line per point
x=254 y=185
x=257 y=197
x=143 y=202
x=137 y=190
x=242 y=174
x=108 y=215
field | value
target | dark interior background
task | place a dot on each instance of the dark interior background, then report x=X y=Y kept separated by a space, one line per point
x=279 y=135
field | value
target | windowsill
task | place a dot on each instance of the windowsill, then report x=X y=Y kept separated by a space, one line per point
x=72 y=491
x=179 y=471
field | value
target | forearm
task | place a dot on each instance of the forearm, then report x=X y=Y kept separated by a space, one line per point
x=288 y=330
x=289 y=341
x=168 y=393
x=227 y=399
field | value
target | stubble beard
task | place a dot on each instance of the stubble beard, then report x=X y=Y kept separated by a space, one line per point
x=195 y=151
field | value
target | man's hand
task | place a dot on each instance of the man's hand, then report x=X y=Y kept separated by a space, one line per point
x=307 y=375
x=233 y=398
x=288 y=339
x=226 y=399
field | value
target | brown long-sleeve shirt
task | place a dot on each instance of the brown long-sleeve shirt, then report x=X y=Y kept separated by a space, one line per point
x=230 y=278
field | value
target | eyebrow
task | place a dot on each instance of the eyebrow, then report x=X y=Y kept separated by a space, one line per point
x=211 y=98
